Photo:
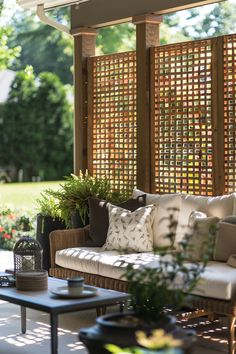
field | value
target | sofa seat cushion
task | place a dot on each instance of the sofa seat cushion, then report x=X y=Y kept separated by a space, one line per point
x=83 y=259
x=94 y=260
x=218 y=281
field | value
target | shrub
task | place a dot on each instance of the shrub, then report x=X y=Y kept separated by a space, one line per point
x=13 y=225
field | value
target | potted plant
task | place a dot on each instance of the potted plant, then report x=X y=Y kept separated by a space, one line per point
x=48 y=219
x=73 y=197
x=156 y=292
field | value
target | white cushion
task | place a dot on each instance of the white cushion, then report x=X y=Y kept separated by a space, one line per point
x=94 y=260
x=114 y=267
x=220 y=206
x=83 y=259
x=218 y=280
x=130 y=231
x=167 y=204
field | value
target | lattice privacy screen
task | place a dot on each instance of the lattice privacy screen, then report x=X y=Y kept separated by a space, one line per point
x=112 y=120
x=181 y=120
x=230 y=112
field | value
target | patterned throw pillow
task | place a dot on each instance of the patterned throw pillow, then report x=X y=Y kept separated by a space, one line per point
x=130 y=231
x=99 y=218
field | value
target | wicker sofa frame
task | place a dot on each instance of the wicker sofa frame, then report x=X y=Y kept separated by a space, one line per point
x=62 y=239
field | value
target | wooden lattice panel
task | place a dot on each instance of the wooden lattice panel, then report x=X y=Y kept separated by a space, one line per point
x=230 y=113
x=182 y=120
x=112 y=122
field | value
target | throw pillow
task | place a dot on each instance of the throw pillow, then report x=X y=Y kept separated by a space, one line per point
x=99 y=220
x=225 y=244
x=219 y=206
x=130 y=231
x=232 y=261
x=167 y=204
x=199 y=228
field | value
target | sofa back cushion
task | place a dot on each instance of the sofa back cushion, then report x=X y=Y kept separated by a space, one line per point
x=130 y=231
x=168 y=204
x=220 y=206
x=99 y=220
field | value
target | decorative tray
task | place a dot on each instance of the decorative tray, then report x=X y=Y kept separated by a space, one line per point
x=63 y=292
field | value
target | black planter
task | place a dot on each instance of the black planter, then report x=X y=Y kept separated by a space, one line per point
x=46 y=224
x=109 y=331
x=76 y=221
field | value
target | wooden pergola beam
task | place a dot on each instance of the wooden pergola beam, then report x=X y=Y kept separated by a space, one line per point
x=84 y=47
x=147 y=36
x=100 y=13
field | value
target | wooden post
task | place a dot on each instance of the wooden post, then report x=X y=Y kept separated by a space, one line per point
x=147 y=35
x=84 y=47
x=218 y=115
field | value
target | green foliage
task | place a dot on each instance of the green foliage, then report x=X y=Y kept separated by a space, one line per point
x=47 y=205
x=54 y=48
x=76 y=190
x=137 y=350
x=7 y=55
x=13 y=225
x=166 y=285
x=220 y=20
x=36 y=127
x=118 y=38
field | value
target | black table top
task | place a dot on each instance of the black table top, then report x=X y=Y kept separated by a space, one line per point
x=45 y=301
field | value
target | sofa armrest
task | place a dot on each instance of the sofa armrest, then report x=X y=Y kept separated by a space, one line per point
x=61 y=239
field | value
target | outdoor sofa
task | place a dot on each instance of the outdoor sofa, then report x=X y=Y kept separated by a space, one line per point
x=72 y=253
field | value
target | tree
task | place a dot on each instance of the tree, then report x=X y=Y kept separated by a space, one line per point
x=43 y=47
x=7 y=54
x=220 y=20
x=36 y=127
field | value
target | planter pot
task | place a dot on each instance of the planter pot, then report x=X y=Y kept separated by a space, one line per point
x=112 y=329
x=76 y=221
x=46 y=224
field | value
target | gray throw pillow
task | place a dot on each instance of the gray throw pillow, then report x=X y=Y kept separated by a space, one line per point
x=225 y=244
x=99 y=217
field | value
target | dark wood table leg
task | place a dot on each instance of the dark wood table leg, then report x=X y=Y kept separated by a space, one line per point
x=54 y=339
x=23 y=319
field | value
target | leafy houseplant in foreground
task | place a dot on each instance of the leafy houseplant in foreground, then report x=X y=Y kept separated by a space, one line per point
x=157 y=290
x=75 y=191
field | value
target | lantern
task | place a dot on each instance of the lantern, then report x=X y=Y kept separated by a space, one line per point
x=28 y=255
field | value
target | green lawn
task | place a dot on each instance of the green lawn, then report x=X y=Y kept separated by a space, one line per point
x=23 y=195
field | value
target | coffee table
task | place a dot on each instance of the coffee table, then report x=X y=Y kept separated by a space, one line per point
x=54 y=306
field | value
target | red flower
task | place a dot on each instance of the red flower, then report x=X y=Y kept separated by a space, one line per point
x=13 y=231
x=12 y=216
x=7 y=236
x=1 y=229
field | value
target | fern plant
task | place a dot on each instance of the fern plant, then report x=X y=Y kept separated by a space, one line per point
x=74 y=193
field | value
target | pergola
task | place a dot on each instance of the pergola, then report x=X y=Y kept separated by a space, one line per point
x=140 y=82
